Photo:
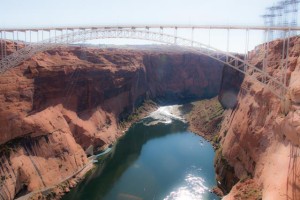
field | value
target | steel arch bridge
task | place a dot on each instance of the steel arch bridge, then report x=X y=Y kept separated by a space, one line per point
x=74 y=35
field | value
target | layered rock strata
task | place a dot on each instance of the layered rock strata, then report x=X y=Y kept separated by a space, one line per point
x=57 y=104
x=260 y=136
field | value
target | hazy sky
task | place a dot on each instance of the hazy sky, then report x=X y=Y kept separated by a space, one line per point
x=43 y=13
x=20 y=13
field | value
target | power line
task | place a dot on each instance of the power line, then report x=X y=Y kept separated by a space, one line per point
x=282 y=14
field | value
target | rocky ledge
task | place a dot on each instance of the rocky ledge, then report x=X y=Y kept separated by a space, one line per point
x=259 y=138
x=60 y=103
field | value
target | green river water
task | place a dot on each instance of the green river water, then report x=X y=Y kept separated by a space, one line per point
x=156 y=159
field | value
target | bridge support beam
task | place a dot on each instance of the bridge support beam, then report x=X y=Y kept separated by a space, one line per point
x=192 y=36
x=5 y=44
x=266 y=52
x=1 y=46
x=285 y=58
x=175 y=33
x=209 y=35
x=83 y=34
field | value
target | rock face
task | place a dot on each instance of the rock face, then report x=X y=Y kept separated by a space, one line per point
x=204 y=118
x=259 y=141
x=230 y=87
x=58 y=103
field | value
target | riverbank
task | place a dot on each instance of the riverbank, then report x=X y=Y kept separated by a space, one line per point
x=55 y=192
x=156 y=158
x=147 y=107
x=61 y=102
x=204 y=118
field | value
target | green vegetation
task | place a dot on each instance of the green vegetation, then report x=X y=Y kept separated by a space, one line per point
x=216 y=142
x=216 y=139
x=205 y=118
x=244 y=178
x=249 y=190
x=63 y=185
x=218 y=155
x=51 y=195
x=254 y=193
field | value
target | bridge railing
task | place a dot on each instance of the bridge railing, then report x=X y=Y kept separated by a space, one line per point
x=70 y=36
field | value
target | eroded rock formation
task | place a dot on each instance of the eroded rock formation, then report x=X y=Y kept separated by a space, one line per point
x=58 y=103
x=260 y=137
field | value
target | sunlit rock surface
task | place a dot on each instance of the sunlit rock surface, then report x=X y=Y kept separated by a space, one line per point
x=260 y=141
x=58 y=103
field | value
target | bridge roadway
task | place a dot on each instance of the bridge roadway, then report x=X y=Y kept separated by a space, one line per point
x=65 y=35
x=155 y=26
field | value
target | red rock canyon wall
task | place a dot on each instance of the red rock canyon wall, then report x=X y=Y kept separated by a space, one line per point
x=260 y=141
x=58 y=103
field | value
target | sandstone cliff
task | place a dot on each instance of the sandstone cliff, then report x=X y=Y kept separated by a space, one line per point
x=260 y=142
x=58 y=103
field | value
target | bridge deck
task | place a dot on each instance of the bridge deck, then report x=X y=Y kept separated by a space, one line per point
x=264 y=28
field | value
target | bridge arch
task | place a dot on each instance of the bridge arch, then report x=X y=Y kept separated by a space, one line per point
x=276 y=86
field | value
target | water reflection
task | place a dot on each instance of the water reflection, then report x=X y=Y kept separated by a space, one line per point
x=193 y=188
x=161 y=161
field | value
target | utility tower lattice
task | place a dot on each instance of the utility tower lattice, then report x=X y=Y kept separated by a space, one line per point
x=73 y=35
x=284 y=14
x=294 y=11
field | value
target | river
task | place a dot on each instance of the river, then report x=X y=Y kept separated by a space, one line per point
x=158 y=158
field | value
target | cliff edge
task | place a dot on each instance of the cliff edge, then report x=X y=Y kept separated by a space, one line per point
x=62 y=102
x=259 y=154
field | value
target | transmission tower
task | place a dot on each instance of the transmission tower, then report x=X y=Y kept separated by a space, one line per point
x=269 y=20
x=294 y=14
x=272 y=11
x=285 y=14
x=278 y=9
x=290 y=10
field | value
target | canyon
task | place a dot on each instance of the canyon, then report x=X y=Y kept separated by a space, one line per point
x=57 y=104
x=259 y=138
